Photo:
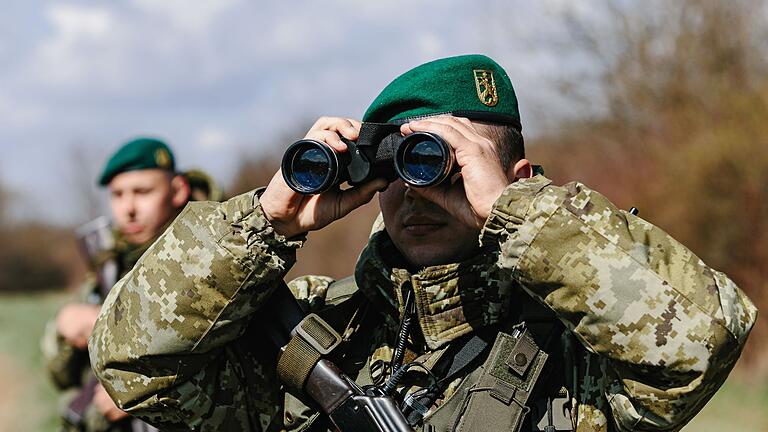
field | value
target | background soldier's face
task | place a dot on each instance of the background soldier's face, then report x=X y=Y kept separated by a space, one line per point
x=142 y=203
x=423 y=232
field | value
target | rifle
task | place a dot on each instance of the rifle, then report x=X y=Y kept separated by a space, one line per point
x=95 y=238
x=349 y=408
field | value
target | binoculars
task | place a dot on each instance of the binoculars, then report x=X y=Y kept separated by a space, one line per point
x=421 y=159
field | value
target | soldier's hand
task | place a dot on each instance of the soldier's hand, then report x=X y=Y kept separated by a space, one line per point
x=75 y=323
x=470 y=196
x=292 y=213
x=106 y=406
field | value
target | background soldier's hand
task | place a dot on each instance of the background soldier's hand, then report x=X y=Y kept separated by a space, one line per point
x=75 y=323
x=470 y=197
x=292 y=213
x=106 y=406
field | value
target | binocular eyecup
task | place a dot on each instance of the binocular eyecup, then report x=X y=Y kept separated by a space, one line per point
x=421 y=159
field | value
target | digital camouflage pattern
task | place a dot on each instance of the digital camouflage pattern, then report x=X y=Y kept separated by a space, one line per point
x=652 y=332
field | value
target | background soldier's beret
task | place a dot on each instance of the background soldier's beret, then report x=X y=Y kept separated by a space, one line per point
x=138 y=154
x=472 y=86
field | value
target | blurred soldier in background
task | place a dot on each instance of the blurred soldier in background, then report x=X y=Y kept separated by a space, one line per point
x=146 y=194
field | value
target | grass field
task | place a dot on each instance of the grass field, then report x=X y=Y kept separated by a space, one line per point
x=28 y=401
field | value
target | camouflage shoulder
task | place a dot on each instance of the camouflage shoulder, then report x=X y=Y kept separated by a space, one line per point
x=311 y=291
x=202 y=186
x=639 y=302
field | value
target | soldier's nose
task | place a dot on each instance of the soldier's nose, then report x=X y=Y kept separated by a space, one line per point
x=130 y=209
x=410 y=194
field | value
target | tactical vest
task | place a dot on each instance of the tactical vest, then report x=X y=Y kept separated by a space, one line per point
x=519 y=386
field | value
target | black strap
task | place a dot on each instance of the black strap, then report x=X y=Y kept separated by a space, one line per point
x=371 y=137
x=409 y=316
x=470 y=350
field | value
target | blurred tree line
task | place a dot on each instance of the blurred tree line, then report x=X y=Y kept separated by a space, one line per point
x=35 y=257
x=684 y=132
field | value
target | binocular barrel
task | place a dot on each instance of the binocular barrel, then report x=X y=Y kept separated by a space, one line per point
x=311 y=167
x=421 y=159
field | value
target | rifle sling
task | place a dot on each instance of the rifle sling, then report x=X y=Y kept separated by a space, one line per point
x=296 y=363
x=312 y=339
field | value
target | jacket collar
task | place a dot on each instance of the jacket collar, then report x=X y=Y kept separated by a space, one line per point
x=451 y=300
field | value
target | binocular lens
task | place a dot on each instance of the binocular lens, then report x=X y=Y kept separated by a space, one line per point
x=423 y=159
x=309 y=166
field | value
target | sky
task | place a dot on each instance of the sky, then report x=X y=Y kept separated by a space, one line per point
x=225 y=79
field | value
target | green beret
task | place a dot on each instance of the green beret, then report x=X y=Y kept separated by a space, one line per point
x=471 y=86
x=138 y=154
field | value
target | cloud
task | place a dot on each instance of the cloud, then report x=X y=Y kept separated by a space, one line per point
x=17 y=115
x=75 y=29
x=429 y=44
x=212 y=138
x=74 y=22
x=569 y=6
x=190 y=16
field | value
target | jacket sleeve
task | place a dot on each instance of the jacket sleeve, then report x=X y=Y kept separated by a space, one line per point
x=65 y=364
x=166 y=345
x=661 y=329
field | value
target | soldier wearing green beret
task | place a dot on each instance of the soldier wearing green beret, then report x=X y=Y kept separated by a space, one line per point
x=146 y=194
x=531 y=306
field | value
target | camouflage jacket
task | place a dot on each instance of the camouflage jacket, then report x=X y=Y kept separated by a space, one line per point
x=69 y=368
x=656 y=331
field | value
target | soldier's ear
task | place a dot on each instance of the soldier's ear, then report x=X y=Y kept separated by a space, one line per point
x=520 y=169
x=180 y=190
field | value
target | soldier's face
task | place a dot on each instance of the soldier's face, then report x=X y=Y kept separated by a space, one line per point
x=424 y=233
x=142 y=203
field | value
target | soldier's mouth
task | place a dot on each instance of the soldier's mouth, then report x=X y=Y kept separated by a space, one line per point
x=421 y=225
x=422 y=229
x=132 y=229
